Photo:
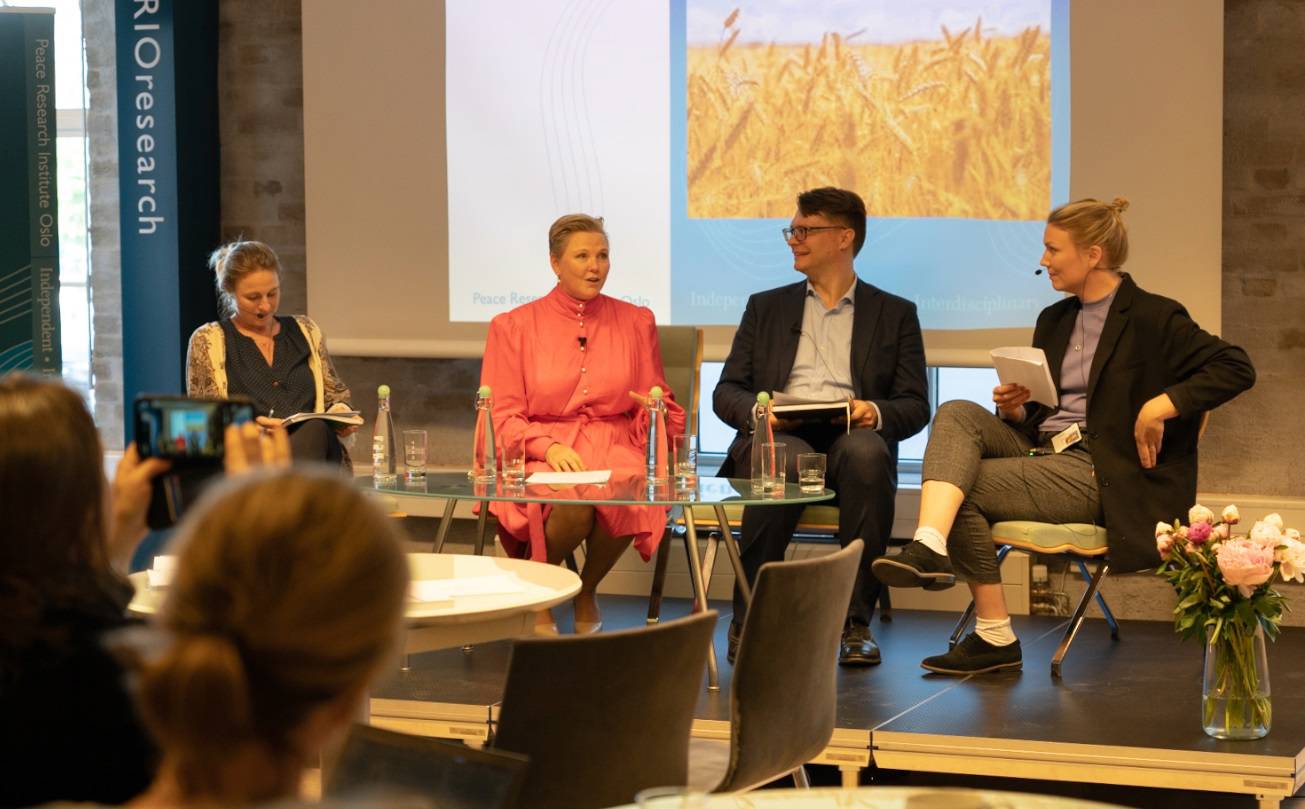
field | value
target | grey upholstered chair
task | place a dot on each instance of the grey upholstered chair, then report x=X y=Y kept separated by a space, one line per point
x=604 y=716
x=380 y=764
x=783 y=695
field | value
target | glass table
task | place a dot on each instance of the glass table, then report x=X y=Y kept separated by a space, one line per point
x=623 y=489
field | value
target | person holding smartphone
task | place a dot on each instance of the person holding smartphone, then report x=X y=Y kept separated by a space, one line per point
x=281 y=363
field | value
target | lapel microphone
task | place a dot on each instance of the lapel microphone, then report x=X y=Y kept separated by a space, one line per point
x=582 y=341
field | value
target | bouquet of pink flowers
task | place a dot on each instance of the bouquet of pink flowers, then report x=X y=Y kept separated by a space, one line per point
x=1222 y=577
x=1226 y=598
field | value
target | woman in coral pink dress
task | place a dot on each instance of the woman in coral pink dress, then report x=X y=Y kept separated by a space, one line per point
x=562 y=369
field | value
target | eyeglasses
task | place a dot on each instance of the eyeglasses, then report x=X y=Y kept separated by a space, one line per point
x=799 y=233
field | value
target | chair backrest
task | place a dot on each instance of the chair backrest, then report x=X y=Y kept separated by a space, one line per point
x=375 y=762
x=783 y=696
x=682 y=361
x=604 y=716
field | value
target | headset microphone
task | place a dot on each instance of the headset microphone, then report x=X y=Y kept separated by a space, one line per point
x=1038 y=271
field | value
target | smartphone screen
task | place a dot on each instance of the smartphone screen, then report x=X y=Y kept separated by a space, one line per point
x=179 y=428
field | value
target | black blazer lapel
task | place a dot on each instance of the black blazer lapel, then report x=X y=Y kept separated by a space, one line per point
x=1116 y=320
x=867 y=315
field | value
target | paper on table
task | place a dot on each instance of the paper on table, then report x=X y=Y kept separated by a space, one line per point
x=428 y=590
x=571 y=478
x=1027 y=366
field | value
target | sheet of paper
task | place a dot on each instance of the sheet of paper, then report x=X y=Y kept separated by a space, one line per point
x=780 y=399
x=1027 y=366
x=160 y=573
x=571 y=478
x=428 y=590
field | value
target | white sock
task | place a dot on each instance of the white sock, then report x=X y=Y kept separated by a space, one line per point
x=932 y=539
x=998 y=633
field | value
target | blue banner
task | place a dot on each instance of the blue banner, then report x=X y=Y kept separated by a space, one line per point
x=29 y=200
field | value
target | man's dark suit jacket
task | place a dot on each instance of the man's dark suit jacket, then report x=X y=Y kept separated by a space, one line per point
x=887 y=362
x=1149 y=345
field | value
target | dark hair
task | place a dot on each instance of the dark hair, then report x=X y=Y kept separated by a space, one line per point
x=837 y=205
x=52 y=547
x=288 y=594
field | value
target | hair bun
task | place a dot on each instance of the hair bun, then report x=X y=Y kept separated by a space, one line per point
x=1119 y=204
x=218 y=258
x=196 y=693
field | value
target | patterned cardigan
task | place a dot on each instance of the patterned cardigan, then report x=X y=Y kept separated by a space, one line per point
x=206 y=366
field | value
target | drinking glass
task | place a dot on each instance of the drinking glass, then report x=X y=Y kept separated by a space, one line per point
x=811 y=472
x=773 y=467
x=414 y=453
x=514 y=461
x=686 y=461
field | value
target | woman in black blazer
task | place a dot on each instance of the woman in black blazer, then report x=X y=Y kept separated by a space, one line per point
x=1134 y=374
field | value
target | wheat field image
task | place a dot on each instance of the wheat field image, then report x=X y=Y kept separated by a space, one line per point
x=957 y=126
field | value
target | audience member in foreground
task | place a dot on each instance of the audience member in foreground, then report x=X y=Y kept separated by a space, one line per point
x=67 y=728
x=1134 y=375
x=279 y=362
x=562 y=369
x=285 y=605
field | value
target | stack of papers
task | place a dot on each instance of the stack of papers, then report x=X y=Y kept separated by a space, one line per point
x=571 y=478
x=160 y=574
x=1027 y=366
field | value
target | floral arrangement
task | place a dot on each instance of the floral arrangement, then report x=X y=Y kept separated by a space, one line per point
x=1225 y=592
x=1223 y=578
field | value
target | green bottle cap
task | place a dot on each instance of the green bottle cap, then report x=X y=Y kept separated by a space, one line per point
x=655 y=393
x=383 y=391
x=763 y=398
x=484 y=390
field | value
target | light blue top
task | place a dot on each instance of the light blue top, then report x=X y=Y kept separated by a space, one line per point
x=1076 y=367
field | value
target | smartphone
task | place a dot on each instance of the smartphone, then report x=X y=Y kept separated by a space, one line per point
x=187 y=431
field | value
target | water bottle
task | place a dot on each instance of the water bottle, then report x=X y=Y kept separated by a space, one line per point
x=1041 y=600
x=484 y=457
x=762 y=433
x=384 y=456
x=658 y=468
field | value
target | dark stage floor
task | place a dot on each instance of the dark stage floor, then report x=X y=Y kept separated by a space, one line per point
x=1121 y=726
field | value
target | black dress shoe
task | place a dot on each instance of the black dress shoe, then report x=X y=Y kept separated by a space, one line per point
x=974 y=655
x=735 y=631
x=915 y=566
x=858 y=647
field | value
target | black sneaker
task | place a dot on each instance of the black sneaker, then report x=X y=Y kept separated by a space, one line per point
x=916 y=566
x=974 y=655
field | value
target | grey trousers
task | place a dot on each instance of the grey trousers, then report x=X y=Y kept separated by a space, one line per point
x=989 y=461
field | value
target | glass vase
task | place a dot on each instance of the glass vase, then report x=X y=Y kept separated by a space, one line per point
x=1235 y=700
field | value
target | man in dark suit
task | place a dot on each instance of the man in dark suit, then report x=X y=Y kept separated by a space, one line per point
x=831 y=336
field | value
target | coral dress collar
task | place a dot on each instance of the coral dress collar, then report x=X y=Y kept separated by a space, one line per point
x=563 y=303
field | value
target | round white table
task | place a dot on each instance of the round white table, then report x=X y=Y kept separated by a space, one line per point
x=467 y=599
x=869 y=798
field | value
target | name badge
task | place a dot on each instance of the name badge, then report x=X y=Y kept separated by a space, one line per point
x=1066 y=438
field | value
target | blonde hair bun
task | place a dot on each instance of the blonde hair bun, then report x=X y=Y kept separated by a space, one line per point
x=1120 y=204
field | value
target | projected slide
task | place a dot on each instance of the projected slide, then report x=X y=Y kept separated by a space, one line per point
x=692 y=125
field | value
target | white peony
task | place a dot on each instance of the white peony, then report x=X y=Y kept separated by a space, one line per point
x=1231 y=515
x=1266 y=532
x=1162 y=528
x=1291 y=560
x=1274 y=520
x=1200 y=513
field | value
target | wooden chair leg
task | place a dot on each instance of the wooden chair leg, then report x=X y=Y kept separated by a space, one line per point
x=1077 y=620
x=659 y=580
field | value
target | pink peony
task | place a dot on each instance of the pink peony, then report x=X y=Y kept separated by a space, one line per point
x=1163 y=543
x=1199 y=533
x=1231 y=515
x=1291 y=560
x=1244 y=564
x=1199 y=513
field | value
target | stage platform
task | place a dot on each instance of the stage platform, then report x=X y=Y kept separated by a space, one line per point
x=1125 y=712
